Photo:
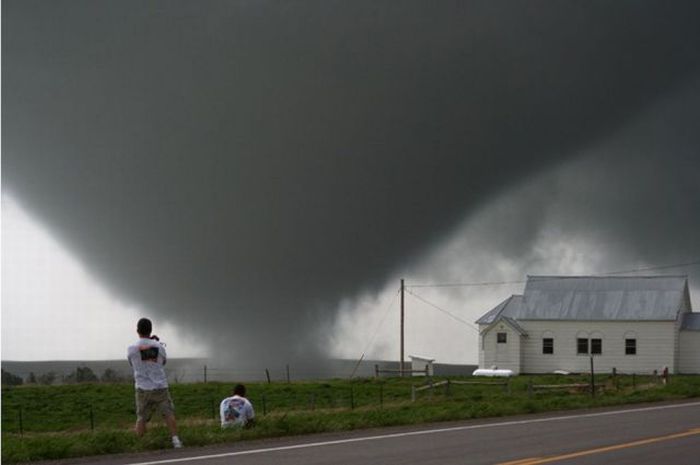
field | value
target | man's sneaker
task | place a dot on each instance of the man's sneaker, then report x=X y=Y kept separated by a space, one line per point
x=177 y=444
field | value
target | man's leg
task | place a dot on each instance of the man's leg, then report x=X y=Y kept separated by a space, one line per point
x=140 y=427
x=168 y=410
x=172 y=424
x=141 y=401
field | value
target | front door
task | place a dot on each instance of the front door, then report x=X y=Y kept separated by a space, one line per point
x=502 y=341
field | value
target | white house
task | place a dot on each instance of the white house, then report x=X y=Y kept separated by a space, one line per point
x=634 y=324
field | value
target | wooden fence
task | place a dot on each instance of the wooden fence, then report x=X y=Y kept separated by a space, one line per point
x=447 y=383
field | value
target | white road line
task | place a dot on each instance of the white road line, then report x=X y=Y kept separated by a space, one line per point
x=416 y=433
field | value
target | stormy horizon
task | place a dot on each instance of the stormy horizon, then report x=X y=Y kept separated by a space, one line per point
x=260 y=175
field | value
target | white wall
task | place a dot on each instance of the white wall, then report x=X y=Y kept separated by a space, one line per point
x=656 y=343
x=506 y=356
x=689 y=361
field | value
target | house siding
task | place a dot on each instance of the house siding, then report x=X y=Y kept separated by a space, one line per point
x=508 y=356
x=689 y=362
x=684 y=355
x=655 y=346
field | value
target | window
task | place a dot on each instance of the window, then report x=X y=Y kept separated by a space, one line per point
x=501 y=338
x=630 y=347
x=581 y=346
x=596 y=346
x=547 y=345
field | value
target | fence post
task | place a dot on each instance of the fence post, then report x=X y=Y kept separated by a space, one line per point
x=413 y=393
x=529 y=388
x=205 y=374
x=92 y=419
x=592 y=379
x=376 y=370
x=447 y=388
x=267 y=373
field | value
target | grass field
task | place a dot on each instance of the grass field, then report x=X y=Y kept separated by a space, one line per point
x=52 y=422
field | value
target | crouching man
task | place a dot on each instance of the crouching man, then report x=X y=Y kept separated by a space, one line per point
x=237 y=410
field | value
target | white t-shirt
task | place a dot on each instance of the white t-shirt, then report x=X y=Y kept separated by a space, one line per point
x=235 y=411
x=147 y=358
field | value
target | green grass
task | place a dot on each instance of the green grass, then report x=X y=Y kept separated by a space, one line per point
x=92 y=419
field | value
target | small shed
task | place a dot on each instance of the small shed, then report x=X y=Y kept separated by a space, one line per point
x=419 y=363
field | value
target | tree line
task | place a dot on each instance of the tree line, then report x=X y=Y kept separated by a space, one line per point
x=80 y=375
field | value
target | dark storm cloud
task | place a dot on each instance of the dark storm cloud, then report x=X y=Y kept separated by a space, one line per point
x=640 y=191
x=238 y=167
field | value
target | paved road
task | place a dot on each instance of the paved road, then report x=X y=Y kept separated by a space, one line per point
x=647 y=434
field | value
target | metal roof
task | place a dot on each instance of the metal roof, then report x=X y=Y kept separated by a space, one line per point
x=511 y=304
x=592 y=298
x=691 y=322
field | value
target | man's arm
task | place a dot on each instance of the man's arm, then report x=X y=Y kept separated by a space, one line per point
x=161 y=348
x=222 y=410
x=250 y=415
x=129 y=351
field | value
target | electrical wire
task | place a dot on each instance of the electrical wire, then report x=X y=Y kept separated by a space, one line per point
x=376 y=332
x=502 y=283
x=450 y=314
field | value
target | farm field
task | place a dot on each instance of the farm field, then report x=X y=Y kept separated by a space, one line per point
x=52 y=422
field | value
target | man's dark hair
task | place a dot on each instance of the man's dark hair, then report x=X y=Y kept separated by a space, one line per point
x=144 y=327
x=239 y=390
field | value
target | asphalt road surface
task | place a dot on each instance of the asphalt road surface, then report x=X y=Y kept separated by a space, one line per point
x=665 y=433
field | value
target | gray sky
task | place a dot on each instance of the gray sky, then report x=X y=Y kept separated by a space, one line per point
x=243 y=170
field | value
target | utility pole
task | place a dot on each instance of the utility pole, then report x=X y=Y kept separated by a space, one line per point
x=401 y=365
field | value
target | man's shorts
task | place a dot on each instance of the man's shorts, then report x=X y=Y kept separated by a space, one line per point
x=149 y=401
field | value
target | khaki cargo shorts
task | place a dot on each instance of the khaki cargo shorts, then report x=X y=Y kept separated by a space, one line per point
x=149 y=401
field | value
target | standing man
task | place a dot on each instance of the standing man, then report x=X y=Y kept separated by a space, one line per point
x=237 y=410
x=147 y=357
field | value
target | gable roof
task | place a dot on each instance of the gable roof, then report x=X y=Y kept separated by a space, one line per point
x=591 y=298
x=691 y=322
x=510 y=306
x=509 y=321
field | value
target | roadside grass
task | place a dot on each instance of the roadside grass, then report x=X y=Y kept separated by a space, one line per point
x=92 y=419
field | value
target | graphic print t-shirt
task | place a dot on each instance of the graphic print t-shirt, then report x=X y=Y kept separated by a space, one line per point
x=147 y=358
x=235 y=411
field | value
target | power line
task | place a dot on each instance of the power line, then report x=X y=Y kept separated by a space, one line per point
x=502 y=283
x=488 y=283
x=663 y=267
x=376 y=332
x=450 y=314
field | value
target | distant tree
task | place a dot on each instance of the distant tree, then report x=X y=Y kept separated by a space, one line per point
x=80 y=375
x=47 y=378
x=111 y=376
x=85 y=375
x=32 y=378
x=9 y=379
